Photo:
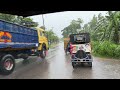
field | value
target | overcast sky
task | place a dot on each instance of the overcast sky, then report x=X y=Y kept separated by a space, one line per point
x=60 y=20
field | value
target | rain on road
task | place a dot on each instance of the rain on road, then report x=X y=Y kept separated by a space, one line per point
x=58 y=66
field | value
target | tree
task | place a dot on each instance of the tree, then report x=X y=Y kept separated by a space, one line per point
x=26 y=22
x=114 y=19
x=104 y=28
x=19 y=20
x=111 y=27
x=86 y=28
x=73 y=28
x=7 y=17
x=52 y=37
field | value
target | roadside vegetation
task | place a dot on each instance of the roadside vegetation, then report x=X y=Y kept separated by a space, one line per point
x=106 y=49
x=53 y=39
x=104 y=31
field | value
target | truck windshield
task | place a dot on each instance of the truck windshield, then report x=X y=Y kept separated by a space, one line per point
x=43 y=33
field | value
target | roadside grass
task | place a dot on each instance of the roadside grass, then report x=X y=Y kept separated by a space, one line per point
x=106 y=50
x=105 y=57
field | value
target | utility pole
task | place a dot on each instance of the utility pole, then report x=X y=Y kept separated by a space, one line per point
x=43 y=21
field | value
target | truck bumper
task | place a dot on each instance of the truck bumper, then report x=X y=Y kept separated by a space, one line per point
x=76 y=59
x=81 y=60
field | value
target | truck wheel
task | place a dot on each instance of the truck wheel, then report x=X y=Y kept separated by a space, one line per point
x=7 y=64
x=73 y=64
x=66 y=51
x=90 y=64
x=43 y=53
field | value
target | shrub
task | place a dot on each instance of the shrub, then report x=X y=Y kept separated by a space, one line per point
x=106 y=48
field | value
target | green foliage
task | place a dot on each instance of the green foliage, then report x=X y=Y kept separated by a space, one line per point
x=25 y=21
x=28 y=22
x=7 y=17
x=73 y=28
x=117 y=51
x=106 y=48
x=52 y=37
x=106 y=35
x=107 y=28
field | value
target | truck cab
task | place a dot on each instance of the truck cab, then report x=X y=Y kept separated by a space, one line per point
x=42 y=42
x=42 y=39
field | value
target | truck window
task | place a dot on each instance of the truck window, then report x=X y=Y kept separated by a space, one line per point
x=43 y=33
x=40 y=33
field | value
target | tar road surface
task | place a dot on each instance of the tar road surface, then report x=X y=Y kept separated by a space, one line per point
x=57 y=65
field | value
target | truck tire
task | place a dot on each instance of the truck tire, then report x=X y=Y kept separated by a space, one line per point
x=90 y=64
x=43 y=53
x=66 y=51
x=73 y=64
x=7 y=64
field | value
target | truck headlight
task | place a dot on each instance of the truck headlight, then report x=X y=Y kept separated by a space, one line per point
x=36 y=44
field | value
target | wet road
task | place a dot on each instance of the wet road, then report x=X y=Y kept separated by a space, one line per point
x=58 y=66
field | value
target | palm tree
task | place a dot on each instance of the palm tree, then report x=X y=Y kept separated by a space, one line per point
x=113 y=27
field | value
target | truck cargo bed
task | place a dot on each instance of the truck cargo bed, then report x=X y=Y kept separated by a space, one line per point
x=17 y=36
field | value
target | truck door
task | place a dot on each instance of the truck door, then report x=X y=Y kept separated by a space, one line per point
x=40 y=35
x=39 y=39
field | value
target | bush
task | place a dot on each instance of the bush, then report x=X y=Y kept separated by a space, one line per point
x=106 y=48
x=117 y=52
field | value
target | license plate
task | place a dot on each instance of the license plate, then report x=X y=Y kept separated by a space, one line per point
x=81 y=60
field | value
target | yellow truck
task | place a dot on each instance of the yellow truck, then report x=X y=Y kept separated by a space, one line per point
x=43 y=42
x=66 y=40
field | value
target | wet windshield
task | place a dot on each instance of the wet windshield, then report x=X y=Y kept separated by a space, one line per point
x=78 y=45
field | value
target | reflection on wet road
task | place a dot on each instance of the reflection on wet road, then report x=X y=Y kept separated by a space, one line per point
x=58 y=66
